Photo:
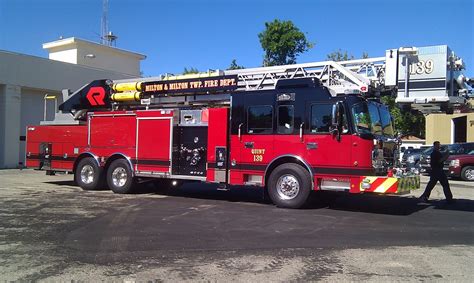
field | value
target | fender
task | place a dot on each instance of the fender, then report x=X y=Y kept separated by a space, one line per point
x=295 y=157
x=116 y=154
x=82 y=155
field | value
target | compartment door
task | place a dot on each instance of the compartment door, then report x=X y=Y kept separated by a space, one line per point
x=154 y=144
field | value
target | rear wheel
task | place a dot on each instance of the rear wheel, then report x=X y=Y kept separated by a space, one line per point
x=120 y=177
x=289 y=186
x=467 y=173
x=88 y=174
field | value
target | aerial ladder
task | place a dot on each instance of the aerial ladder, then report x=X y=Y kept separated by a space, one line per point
x=426 y=79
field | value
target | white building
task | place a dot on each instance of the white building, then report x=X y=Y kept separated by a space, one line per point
x=25 y=80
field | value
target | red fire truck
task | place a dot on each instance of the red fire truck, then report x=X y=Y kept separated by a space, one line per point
x=289 y=129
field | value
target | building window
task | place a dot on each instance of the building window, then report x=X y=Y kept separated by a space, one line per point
x=260 y=119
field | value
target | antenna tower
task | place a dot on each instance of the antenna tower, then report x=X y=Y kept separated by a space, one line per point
x=106 y=36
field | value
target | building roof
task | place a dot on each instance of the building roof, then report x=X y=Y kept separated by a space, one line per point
x=71 y=42
x=411 y=138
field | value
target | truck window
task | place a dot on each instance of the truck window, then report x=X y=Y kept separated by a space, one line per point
x=320 y=118
x=286 y=115
x=260 y=119
x=361 y=116
x=375 y=119
x=386 y=121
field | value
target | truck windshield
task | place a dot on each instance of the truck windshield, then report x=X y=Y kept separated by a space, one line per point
x=372 y=117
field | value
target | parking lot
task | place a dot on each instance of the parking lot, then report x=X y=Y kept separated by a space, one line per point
x=54 y=231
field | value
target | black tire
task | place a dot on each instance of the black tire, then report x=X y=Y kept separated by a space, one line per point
x=120 y=169
x=467 y=173
x=289 y=174
x=88 y=174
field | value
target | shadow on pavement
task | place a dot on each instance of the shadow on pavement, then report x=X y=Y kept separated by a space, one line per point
x=207 y=191
x=71 y=183
x=372 y=203
x=366 y=203
x=378 y=204
x=459 y=205
x=62 y=183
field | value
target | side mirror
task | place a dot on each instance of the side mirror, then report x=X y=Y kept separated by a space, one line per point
x=335 y=115
x=336 y=120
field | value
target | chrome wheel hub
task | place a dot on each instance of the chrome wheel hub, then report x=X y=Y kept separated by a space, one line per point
x=470 y=174
x=288 y=187
x=87 y=174
x=119 y=176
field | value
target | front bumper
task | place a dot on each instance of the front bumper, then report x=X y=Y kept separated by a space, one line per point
x=389 y=185
x=425 y=168
x=452 y=171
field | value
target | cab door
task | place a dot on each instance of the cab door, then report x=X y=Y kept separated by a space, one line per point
x=325 y=153
x=252 y=140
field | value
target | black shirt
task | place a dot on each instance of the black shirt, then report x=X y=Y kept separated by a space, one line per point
x=435 y=162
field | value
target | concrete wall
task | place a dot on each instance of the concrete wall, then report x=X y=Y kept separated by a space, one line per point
x=439 y=127
x=10 y=101
x=105 y=59
x=87 y=53
x=40 y=73
x=24 y=80
x=31 y=115
x=68 y=56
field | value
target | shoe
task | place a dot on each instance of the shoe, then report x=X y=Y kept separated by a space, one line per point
x=423 y=199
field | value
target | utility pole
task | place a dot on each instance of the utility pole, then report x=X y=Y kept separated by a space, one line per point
x=104 y=22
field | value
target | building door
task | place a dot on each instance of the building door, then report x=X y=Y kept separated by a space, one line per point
x=459 y=129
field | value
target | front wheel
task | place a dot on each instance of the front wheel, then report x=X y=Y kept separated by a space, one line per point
x=467 y=173
x=289 y=186
x=120 y=177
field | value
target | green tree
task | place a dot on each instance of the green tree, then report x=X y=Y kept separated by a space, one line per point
x=405 y=121
x=339 y=55
x=235 y=66
x=190 y=71
x=282 y=42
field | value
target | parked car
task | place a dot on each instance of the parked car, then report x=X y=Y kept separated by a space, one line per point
x=460 y=166
x=402 y=151
x=411 y=157
x=453 y=149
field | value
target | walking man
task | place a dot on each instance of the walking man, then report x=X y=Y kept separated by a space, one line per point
x=437 y=174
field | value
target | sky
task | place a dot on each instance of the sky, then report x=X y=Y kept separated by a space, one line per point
x=210 y=34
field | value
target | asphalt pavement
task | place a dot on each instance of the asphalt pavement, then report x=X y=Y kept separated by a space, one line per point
x=54 y=231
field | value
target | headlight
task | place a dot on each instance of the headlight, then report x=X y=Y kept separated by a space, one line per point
x=454 y=163
x=411 y=159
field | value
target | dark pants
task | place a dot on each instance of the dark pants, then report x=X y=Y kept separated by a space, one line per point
x=435 y=176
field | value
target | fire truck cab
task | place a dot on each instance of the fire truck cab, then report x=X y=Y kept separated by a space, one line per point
x=299 y=138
